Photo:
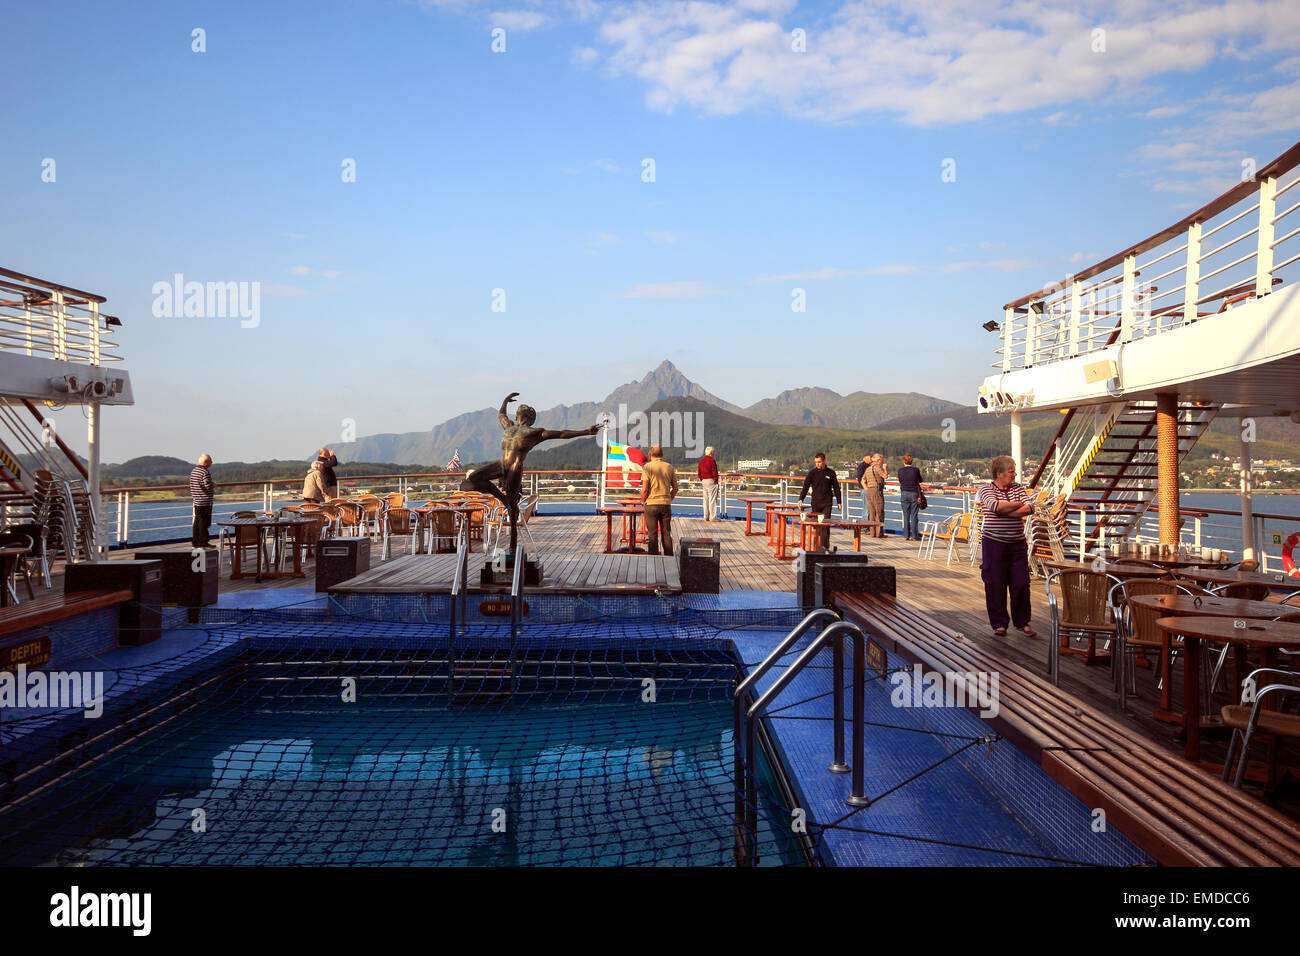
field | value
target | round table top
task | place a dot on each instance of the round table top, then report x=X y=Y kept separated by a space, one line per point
x=1183 y=559
x=1220 y=576
x=1224 y=630
x=767 y=498
x=449 y=507
x=1118 y=570
x=10 y=552
x=1210 y=606
x=620 y=509
x=792 y=506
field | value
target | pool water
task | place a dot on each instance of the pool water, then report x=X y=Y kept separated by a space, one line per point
x=277 y=769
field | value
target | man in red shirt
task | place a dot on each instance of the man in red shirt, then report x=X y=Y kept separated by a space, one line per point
x=708 y=475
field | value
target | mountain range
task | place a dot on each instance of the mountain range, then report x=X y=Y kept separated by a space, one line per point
x=478 y=434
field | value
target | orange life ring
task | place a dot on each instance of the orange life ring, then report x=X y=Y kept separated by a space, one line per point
x=1289 y=549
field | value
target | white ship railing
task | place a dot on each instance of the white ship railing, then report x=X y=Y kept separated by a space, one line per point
x=1233 y=250
x=44 y=319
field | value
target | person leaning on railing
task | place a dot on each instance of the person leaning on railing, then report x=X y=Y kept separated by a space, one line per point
x=329 y=483
x=1005 y=564
x=313 y=486
x=201 y=493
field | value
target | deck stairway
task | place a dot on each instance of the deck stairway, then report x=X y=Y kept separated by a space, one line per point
x=43 y=482
x=1105 y=461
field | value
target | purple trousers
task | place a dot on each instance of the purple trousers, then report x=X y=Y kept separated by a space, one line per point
x=1005 y=568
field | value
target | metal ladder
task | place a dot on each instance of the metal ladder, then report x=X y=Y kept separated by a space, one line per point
x=745 y=719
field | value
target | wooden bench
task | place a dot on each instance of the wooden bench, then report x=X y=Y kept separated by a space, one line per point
x=58 y=607
x=1172 y=809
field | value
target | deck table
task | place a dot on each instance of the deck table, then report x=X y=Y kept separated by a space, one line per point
x=749 y=514
x=1268 y=636
x=1190 y=605
x=276 y=525
x=856 y=526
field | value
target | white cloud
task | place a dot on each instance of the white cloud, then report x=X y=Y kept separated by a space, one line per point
x=667 y=238
x=322 y=273
x=831 y=272
x=687 y=289
x=1000 y=265
x=521 y=20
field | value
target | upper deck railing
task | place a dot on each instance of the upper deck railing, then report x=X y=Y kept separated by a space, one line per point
x=49 y=320
x=1234 y=249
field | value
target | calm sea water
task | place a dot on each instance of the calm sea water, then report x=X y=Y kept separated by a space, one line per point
x=152 y=521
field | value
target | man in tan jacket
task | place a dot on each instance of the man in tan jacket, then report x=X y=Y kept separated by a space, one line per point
x=313 y=486
x=658 y=489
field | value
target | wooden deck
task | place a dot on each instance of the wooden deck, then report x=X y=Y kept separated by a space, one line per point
x=587 y=573
x=951 y=594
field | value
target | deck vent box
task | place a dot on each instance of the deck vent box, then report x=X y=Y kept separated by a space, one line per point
x=699 y=562
x=852 y=578
x=805 y=567
x=338 y=559
x=140 y=619
x=182 y=585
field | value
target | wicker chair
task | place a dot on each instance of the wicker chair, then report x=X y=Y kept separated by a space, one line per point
x=350 y=518
x=1244 y=590
x=1138 y=632
x=441 y=527
x=319 y=528
x=1084 y=612
x=1249 y=717
x=395 y=500
x=19 y=539
x=399 y=521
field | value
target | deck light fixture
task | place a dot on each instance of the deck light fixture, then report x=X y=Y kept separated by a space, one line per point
x=991 y=326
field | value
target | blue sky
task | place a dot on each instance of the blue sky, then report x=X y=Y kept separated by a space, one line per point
x=522 y=171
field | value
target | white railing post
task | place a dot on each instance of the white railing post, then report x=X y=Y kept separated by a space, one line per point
x=1083 y=533
x=59 y=326
x=1192 y=290
x=1008 y=320
x=1032 y=319
x=785 y=488
x=1264 y=253
x=1076 y=302
x=1127 y=305
x=1196 y=542
x=93 y=343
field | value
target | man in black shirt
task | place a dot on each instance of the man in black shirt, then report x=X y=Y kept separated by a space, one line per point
x=824 y=486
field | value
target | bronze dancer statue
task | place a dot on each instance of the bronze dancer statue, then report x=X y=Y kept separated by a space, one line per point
x=518 y=440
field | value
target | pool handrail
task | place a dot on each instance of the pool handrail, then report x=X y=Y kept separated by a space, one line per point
x=746 y=719
x=458 y=582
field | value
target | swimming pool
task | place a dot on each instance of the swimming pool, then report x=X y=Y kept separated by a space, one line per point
x=364 y=758
x=365 y=735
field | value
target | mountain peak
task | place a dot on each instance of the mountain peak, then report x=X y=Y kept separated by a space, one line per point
x=664 y=371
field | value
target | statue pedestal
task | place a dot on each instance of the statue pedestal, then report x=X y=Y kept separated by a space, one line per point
x=532 y=575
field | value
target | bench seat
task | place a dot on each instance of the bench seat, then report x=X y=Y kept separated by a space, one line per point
x=1172 y=809
x=58 y=607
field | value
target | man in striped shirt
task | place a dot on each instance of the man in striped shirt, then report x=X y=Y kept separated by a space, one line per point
x=201 y=495
x=1005 y=566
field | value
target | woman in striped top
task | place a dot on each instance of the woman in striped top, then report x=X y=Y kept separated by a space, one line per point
x=1005 y=566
